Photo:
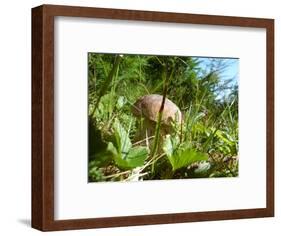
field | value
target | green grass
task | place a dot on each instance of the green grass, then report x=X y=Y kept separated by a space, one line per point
x=204 y=145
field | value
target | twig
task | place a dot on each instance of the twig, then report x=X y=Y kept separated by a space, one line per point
x=117 y=174
x=147 y=138
x=132 y=176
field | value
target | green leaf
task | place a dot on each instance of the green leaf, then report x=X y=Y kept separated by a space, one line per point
x=136 y=156
x=124 y=155
x=180 y=157
x=168 y=146
x=111 y=149
x=225 y=138
x=117 y=156
x=122 y=139
x=121 y=102
x=171 y=144
x=185 y=157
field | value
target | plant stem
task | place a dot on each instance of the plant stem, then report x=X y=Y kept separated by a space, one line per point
x=159 y=118
x=160 y=113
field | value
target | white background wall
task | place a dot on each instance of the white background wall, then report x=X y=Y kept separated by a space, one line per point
x=15 y=115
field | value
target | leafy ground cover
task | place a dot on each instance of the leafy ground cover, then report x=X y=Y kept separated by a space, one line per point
x=203 y=145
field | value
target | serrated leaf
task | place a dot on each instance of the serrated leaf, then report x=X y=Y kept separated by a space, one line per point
x=122 y=139
x=180 y=157
x=124 y=155
x=184 y=158
x=137 y=156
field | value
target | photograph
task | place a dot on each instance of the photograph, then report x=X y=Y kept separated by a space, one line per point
x=166 y=109
x=155 y=117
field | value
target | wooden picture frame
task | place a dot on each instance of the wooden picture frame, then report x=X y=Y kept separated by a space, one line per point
x=43 y=117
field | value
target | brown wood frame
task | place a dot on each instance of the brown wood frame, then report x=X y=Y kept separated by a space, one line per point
x=43 y=117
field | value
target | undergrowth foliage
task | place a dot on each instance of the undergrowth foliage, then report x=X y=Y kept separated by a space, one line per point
x=204 y=144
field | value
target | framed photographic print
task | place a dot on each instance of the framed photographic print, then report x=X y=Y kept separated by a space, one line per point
x=143 y=117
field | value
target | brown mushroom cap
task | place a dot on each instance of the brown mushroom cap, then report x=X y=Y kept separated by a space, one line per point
x=149 y=105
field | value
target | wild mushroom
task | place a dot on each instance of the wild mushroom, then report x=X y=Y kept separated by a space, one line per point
x=148 y=106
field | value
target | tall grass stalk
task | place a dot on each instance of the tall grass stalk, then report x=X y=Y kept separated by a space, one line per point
x=107 y=82
x=160 y=113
